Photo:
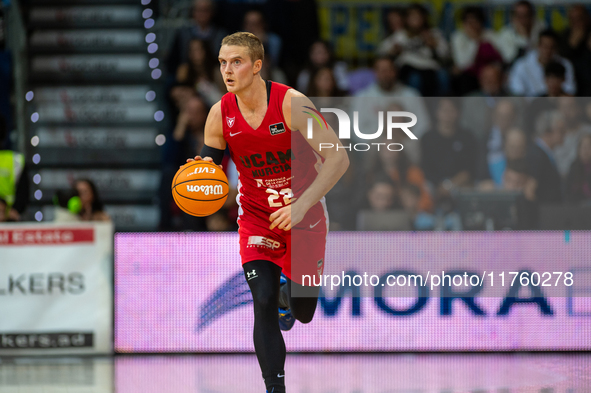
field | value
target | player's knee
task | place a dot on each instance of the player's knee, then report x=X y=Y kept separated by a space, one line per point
x=264 y=299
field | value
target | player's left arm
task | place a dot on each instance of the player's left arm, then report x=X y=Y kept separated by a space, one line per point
x=334 y=166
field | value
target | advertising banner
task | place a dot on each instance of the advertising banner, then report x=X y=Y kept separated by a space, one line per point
x=55 y=288
x=187 y=292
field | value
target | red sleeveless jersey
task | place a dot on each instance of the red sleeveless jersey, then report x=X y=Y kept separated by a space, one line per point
x=275 y=165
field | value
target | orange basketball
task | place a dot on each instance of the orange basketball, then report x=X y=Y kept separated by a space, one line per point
x=200 y=188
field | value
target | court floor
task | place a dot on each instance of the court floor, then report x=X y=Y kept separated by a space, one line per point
x=388 y=373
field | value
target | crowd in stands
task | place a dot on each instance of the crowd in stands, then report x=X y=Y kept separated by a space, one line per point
x=503 y=109
x=498 y=110
x=487 y=138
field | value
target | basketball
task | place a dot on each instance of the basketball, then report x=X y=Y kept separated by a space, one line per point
x=200 y=188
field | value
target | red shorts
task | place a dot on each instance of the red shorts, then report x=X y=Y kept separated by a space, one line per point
x=304 y=244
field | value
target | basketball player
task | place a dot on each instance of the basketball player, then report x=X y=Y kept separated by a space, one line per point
x=283 y=178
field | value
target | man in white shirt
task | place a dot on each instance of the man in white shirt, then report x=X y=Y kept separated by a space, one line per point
x=526 y=77
x=515 y=39
x=392 y=92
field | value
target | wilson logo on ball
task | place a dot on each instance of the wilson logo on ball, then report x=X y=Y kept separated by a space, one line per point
x=208 y=189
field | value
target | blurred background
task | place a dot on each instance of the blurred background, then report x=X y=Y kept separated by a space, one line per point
x=105 y=99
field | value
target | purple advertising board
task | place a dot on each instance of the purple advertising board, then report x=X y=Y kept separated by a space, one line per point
x=186 y=292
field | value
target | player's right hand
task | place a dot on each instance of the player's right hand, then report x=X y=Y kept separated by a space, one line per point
x=197 y=158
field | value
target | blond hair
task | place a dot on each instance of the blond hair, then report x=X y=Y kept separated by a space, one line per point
x=252 y=43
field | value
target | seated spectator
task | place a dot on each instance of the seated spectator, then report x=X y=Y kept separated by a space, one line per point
x=514 y=149
x=180 y=94
x=254 y=22
x=554 y=77
x=324 y=84
x=321 y=56
x=272 y=72
x=14 y=180
x=188 y=134
x=566 y=154
x=200 y=72
x=394 y=20
x=575 y=46
x=521 y=35
x=92 y=206
x=540 y=157
x=527 y=76
x=492 y=157
x=381 y=195
x=448 y=153
x=472 y=49
x=578 y=181
x=516 y=178
x=420 y=51
x=201 y=28
x=392 y=92
x=490 y=82
x=385 y=209
x=478 y=107
x=401 y=171
x=67 y=206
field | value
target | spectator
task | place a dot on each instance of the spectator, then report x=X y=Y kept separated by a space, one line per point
x=526 y=77
x=92 y=206
x=516 y=178
x=254 y=22
x=554 y=76
x=321 y=56
x=478 y=106
x=201 y=28
x=492 y=157
x=514 y=149
x=421 y=51
x=578 y=182
x=490 y=81
x=394 y=20
x=381 y=195
x=472 y=49
x=14 y=180
x=449 y=153
x=541 y=160
x=324 y=84
x=566 y=154
x=401 y=171
x=180 y=94
x=67 y=206
x=188 y=133
x=199 y=72
x=576 y=46
x=517 y=38
x=391 y=91
x=272 y=72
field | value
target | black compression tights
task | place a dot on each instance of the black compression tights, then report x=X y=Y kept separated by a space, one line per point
x=263 y=280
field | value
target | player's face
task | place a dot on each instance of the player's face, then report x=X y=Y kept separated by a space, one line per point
x=237 y=68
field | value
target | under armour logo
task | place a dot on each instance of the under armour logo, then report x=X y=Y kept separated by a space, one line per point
x=251 y=275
